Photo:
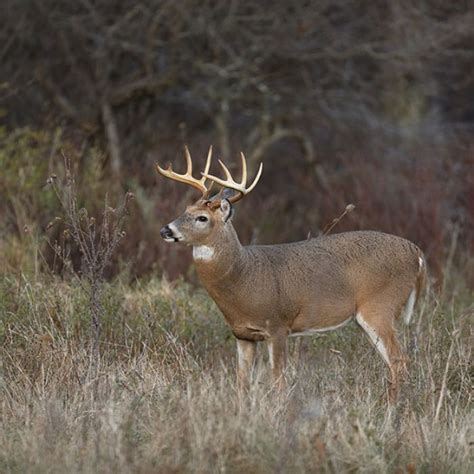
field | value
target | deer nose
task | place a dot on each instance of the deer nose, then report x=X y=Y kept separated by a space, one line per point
x=166 y=232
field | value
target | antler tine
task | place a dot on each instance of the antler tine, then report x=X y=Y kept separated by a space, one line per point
x=187 y=178
x=244 y=169
x=230 y=183
x=257 y=177
x=206 y=170
x=226 y=171
x=189 y=161
x=208 y=160
x=163 y=171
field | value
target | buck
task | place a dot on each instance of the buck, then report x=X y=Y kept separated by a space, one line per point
x=270 y=292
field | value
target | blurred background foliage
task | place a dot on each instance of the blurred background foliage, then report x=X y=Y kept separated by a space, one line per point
x=370 y=103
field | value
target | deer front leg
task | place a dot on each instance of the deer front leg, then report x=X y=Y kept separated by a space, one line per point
x=277 y=353
x=246 y=351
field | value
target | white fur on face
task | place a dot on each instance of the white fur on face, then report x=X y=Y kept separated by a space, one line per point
x=203 y=252
x=374 y=337
x=176 y=233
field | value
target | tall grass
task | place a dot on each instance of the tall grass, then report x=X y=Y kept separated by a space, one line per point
x=165 y=398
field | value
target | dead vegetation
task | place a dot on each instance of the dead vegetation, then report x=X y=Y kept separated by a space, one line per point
x=165 y=399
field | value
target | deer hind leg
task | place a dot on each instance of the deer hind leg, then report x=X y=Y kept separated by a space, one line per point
x=246 y=351
x=277 y=354
x=378 y=324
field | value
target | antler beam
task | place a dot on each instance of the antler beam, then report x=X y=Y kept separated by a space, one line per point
x=187 y=178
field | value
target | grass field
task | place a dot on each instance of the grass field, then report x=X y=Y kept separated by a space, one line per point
x=164 y=399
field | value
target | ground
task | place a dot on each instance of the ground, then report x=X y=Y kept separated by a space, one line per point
x=165 y=399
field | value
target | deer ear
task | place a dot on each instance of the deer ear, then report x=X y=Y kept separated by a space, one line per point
x=226 y=209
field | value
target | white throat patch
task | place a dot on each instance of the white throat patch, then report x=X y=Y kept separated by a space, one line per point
x=202 y=252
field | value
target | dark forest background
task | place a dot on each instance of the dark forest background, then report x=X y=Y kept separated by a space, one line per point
x=362 y=102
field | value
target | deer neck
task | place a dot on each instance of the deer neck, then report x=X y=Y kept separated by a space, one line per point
x=221 y=258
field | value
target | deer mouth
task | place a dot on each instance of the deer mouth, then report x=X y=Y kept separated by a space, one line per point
x=170 y=233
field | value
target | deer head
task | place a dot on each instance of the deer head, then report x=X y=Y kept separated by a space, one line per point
x=206 y=219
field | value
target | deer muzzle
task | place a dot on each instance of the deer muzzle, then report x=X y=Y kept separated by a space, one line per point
x=168 y=234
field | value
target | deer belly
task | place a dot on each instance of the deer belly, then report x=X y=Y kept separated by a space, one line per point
x=322 y=318
x=319 y=329
x=250 y=333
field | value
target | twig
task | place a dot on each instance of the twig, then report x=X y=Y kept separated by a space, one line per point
x=445 y=378
x=349 y=208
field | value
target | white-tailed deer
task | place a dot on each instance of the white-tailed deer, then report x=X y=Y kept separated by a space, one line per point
x=270 y=292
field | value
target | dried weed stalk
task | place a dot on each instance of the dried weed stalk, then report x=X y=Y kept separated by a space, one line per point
x=96 y=240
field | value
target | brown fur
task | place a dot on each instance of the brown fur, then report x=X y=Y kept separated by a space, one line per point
x=268 y=292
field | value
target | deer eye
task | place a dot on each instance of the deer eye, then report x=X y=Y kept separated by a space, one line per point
x=202 y=218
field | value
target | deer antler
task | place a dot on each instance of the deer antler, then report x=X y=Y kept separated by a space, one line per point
x=230 y=183
x=187 y=178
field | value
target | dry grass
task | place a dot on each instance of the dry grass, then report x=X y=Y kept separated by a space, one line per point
x=166 y=398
